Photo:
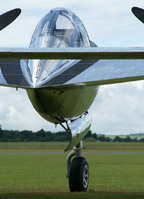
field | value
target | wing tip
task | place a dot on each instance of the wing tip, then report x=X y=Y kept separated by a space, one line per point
x=8 y=17
x=139 y=13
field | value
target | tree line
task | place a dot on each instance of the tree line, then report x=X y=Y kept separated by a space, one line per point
x=47 y=136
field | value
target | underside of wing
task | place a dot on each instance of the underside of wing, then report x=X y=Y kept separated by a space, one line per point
x=100 y=72
x=110 y=72
x=11 y=74
x=120 y=65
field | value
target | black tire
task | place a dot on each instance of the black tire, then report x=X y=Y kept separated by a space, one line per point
x=79 y=175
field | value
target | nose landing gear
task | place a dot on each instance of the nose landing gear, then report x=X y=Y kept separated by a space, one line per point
x=77 y=170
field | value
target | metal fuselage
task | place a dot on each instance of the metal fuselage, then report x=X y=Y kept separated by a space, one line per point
x=60 y=105
x=57 y=103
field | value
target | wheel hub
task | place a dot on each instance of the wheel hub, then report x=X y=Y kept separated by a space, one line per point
x=85 y=176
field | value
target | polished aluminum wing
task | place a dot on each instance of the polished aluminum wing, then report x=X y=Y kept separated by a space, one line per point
x=95 y=66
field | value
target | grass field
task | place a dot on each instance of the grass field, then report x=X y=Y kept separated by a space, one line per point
x=60 y=146
x=41 y=175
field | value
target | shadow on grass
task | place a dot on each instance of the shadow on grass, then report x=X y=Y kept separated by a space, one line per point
x=63 y=195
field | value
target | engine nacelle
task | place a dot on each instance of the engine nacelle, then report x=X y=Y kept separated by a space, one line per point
x=78 y=129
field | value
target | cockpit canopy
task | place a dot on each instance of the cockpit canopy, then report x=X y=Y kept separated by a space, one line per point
x=60 y=28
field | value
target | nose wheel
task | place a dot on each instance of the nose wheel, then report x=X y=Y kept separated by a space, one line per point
x=79 y=175
x=77 y=170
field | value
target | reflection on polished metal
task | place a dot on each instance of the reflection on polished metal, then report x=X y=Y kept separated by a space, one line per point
x=59 y=29
x=78 y=129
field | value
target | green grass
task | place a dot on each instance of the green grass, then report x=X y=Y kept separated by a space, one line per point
x=46 y=172
x=32 y=146
x=37 y=175
x=72 y=196
x=28 y=172
x=114 y=146
x=60 y=146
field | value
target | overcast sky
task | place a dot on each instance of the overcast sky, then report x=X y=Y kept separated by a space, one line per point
x=118 y=109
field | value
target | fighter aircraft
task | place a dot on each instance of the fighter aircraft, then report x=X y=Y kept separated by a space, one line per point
x=61 y=72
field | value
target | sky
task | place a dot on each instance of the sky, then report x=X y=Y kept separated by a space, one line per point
x=117 y=109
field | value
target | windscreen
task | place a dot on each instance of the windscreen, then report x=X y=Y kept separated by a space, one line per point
x=66 y=32
x=60 y=28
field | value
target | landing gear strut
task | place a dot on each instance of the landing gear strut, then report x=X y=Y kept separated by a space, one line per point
x=77 y=170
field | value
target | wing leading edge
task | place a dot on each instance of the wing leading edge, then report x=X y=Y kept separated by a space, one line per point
x=72 y=53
